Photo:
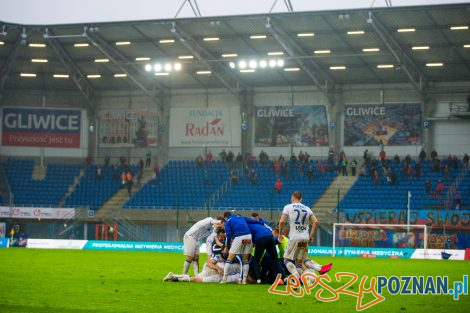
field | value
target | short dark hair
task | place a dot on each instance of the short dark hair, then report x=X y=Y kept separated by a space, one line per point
x=227 y=214
x=297 y=195
x=254 y=214
x=220 y=218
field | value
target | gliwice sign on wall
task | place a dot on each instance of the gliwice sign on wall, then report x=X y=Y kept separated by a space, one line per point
x=56 y=128
x=205 y=127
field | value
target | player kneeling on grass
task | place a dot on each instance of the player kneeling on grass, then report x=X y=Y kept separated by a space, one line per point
x=193 y=236
x=239 y=241
x=299 y=217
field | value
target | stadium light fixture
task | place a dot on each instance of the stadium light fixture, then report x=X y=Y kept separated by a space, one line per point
x=273 y=53
x=101 y=60
x=338 y=67
x=186 y=57
x=120 y=75
x=253 y=64
x=177 y=67
x=81 y=45
x=263 y=63
x=148 y=67
x=356 y=32
x=272 y=63
x=166 y=41
x=242 y=64
x=162 y=74
x=211 y=39
x=2 y=43
x=27 y=74
x=122 y=43
x=37 y=45
x=371 y=50
x=229 y=55
x=280 y=63
x=435 y=64
x=291 y=69
x=305 y=34
x=247 y=71
x=322 y=51
x=232 y=64
x=459 y=27
x=203 y=72
x=157 y=67
x=406 y=30
x=168 y=67
x=142 y=59
x=39 y=60
x=93 y=76
x=258 y=37
x=385 y=66
x=420 y=48
x=466 y=46
x=63 y=76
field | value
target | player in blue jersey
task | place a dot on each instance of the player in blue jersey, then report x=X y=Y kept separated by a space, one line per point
x=239 y=241
x=263 y=240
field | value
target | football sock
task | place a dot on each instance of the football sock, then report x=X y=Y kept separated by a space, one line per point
x=186 y=266
x=291 y=268
x=312 y=265
x=196 y=267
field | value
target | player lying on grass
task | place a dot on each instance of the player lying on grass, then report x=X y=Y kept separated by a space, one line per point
x=193 y=236
x=214 y=269
x=300 y=217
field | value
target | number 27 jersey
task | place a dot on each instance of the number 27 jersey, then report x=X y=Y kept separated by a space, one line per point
x=299 y=220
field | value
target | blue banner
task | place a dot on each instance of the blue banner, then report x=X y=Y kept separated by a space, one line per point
x=453 y=220
x=134 y=246
x=4 y=242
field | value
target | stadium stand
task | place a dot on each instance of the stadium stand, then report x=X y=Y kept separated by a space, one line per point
x=180 y=183
x=31 y=192
x=263 y=196
x=92 y=192
x=464 y=190
x=367 y=194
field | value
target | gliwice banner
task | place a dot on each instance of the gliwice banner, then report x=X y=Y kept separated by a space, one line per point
x=390 y=124
x=205 y=127
x=28 y=127
x=300 y=125
x=128 y=128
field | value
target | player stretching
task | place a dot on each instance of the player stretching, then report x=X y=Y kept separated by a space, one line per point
x=300 y=217
x=237 y=229
x=191 y=238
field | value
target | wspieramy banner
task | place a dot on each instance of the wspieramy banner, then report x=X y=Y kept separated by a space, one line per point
x=300 y=125
x=28 y=127
x=206 y=127
x=391 y=124
x=128 y=128
x=36 y=213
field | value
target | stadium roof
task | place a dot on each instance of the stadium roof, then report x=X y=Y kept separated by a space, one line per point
x=417 y=45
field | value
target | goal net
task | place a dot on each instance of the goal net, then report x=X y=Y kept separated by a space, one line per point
x=396 y=236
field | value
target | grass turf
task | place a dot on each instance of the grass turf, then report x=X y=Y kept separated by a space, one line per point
x=107 y=281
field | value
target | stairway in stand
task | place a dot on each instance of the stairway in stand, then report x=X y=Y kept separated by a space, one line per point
x=113 y=207
x=323 y=208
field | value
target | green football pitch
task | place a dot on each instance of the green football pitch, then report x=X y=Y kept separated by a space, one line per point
x=104 y=281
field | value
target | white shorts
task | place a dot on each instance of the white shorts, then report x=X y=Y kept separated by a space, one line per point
x=211 y=279
x=242 y=245
x=296 y=250
x=191 y=247
x=233 y=278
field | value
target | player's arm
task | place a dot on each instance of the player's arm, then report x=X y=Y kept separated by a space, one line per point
x=282 y=222
x=218 y=242
x=213 y=266
x=313 y=230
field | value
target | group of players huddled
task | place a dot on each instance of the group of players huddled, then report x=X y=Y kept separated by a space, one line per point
x=230 y=241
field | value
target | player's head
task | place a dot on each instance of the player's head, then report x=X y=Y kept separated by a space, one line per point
x=221 y=235
x=227 y=214
x=255 y=216
x=296 y=197
x=220 y=220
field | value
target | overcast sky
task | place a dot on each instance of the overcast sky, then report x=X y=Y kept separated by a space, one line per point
x=41 y=12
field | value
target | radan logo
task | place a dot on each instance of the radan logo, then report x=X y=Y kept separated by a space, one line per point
x=214 y=128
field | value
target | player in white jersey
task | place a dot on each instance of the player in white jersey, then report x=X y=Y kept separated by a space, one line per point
x=299 y=216
x=193 y=236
